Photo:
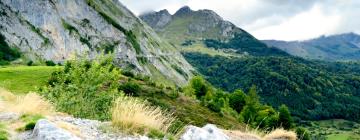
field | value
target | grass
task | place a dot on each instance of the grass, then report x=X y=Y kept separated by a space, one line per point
x=199 y=47
x=3 y=133
x=135 y=115
x=335 y=129
x=31 y=104
x=23 y=79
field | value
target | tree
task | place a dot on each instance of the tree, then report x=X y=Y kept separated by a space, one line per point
x=248 y=114
x=237 y=100
x=285 y=119
x=199 y=86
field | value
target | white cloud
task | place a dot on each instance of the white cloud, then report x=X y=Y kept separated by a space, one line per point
x=272 y=19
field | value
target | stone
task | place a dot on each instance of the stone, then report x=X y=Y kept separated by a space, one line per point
x=208 y=132
x=45 y=130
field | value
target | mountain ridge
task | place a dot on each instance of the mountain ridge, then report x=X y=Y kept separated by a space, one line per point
x=339 y=47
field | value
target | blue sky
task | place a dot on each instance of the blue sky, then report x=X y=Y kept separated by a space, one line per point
x=272 y=19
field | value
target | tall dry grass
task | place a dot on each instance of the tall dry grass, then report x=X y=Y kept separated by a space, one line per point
x=280 y=134
x=31 y=104
x=135 y=115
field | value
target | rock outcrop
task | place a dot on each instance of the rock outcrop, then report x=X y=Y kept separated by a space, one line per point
x=208 y=132
x=60 y=30
x=45 y=130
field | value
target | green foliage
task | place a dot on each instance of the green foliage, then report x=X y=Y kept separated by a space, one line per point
x=84 y=88
x=130 y=88
x=50 y=63
x=311 y=89
x=237 y=100
x=23 y=79
x=285 y=119
x=199 y=86
x=6 y=53
x=4 y=135
x=302 y=134
x=244 y=43
x=179 y=70
x=38 y=32
x=30 y=63
x=69 y=27
x=156 y=134
x=30 y=122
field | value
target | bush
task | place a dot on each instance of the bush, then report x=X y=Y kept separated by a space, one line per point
x=302 y=134
x=30 y=63
x=130 y=88
x=137 y=116
x=85 y=89
x=50 y=63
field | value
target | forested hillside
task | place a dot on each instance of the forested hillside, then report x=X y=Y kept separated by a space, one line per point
x=313 y=90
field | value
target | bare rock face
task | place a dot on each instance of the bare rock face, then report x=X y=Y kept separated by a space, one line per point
x=157 y=20
x=60 y=30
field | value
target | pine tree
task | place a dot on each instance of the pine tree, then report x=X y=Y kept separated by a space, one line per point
x=285 y=119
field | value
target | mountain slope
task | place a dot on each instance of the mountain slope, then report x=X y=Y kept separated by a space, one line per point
x=59 y=30
x=342 y=47
x=207 y=29
x=312 y=89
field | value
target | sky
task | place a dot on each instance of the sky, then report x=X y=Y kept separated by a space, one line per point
x=271 y=19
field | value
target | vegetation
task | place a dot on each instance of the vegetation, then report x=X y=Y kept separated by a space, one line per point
x=130 y=36
x=247 y=107
x=50 y=63
x=85 y=88
x=322 y=90
x=134 y=116
x=245 y=44
x=7 y=53
x=38 y=32
x=3 y=133
x=69 y=27
x=22 y=79
x=29 y=121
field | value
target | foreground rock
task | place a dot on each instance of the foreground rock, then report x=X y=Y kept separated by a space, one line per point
x=45 y=130
x=208 y=132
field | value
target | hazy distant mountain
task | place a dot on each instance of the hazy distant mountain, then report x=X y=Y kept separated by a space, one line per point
x=330 y=48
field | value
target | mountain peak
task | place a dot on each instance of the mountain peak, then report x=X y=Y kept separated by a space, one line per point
x=183 y=11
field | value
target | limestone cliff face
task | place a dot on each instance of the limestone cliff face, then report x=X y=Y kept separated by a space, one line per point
x=59 y=30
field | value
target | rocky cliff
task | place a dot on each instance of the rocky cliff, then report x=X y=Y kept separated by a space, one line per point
x=59 y=30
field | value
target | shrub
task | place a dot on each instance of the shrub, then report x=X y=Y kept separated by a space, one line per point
x=128 y=73
x=135 y=116
x=302 y=134
x=30 y=63
x=285 y=119
x=131 y=88
x=50 y=63
x=85 y=89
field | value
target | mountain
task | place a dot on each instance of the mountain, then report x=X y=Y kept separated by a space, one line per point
x=205 y=28
x=342 y=47
x=60 y=30
x=313 y=90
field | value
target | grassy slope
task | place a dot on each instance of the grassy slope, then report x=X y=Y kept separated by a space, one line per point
x=336 y=129
x=201 y=48
x=187 y=110
x=22 y=79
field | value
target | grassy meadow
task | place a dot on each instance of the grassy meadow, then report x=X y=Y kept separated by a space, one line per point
x=22 y=79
